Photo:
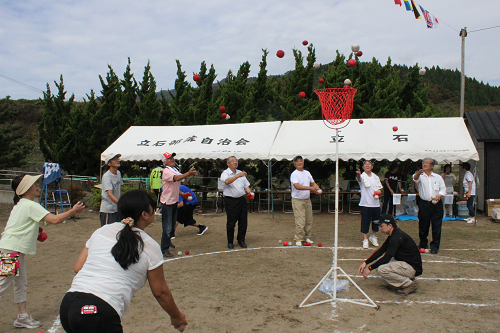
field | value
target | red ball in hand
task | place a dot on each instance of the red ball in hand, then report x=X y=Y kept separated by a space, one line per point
x=224 y=115
x=302 y=94
x=359 y=53
x=196 y=77
x=223 y=108
x=351 y=63
x=321 y=80
x=185 y=195
x=42 y=237
x=361 y=121
x=305 y=42
x=280 y=54
x=395 y=128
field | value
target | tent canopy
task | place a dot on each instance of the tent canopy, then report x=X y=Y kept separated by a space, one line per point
x=246 y=141
x=443 y=139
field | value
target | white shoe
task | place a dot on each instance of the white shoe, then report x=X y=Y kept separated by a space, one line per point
x=309 y=241
x=373 y=240
x=27 y=322
x=365 y=243
x=470 y=220
x=298 y=243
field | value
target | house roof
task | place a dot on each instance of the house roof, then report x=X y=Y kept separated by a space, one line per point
x=485 y=125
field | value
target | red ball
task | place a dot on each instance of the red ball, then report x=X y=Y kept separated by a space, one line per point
x=187 y=252
x=361 y=121
x=187 y=194
x=321 y=80
x=224 y=115
x=305 y=42
x=223 y=108
x=196 y=77
x=285 y=243
x=359 y=53
x=320 y=245
x=422 y=250
x=351 y=63
x=395 y=128
x=42 y=237
x=302 y=94
x=280 y=54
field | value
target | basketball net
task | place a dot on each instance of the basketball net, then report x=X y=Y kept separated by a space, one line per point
x=336 y=106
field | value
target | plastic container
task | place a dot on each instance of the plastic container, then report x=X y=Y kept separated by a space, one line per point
x=462 y=208
x=327 y=286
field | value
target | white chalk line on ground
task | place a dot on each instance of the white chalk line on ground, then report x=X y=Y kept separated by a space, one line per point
x=55 y=327
x=407 y=302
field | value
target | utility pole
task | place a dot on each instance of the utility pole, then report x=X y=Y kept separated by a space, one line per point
x=463 y=34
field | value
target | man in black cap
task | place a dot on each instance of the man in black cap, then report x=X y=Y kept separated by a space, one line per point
x=398 y=260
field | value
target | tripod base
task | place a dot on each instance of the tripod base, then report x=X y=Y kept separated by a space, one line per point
x=335 y=299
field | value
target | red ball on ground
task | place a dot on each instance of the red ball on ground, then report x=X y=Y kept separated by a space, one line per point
x=359 y=53
x=187 y=252
x=285 y=243
x=302 y=94
x=224 y=115
x=223 y=108
x=422 y=250
x=280 y=54
x=320 y=245
x=395 y=128
x=361 y=121
x=305 y=42
x=321 y=80
x=196 y=77
x=351 y=63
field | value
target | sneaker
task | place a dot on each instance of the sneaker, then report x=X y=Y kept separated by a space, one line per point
x=298 y=243
x=173 y=237
x=26 y=322
x=308 y=240
x=365 y=243
x=471 y=220
x=167 y=254
x=373 y=240
x=202 y=228
x=413 y=287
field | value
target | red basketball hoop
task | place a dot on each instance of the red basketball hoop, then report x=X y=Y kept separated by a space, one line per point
x=336 y=105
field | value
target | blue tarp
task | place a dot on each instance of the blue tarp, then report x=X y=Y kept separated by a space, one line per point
x=406 y=217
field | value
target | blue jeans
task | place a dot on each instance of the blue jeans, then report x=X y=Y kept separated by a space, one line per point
x=168 y=218
x=470 y=205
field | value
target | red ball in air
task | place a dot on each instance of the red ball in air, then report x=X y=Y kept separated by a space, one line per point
x=320 y=245
x=187 y=252
x=224 y=115
x=280 y=54
x=305 y=42
x=302 y=94
x=223 y=108
x=422 y=250
x=321 y=80
x=394 y=128
x=361 y=121
x=196 y=77
x=359 y=53
x=351 y=63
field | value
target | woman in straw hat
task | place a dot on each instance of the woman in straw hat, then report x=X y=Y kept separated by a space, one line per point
x=20 y=236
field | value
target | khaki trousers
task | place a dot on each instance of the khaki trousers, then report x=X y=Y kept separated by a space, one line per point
x=20 y=282
x=302 y=210
x=397 y=273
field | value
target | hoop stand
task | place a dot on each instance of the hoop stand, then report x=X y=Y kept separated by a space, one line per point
x=335 y=267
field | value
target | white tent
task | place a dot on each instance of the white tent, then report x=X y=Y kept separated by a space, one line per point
x=245 y=141
x=443 y=139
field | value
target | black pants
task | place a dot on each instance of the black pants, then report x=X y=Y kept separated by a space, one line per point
x=388 y=200
x=105 y=320
x=236 y=211
x=430 y=214
x=185 y=215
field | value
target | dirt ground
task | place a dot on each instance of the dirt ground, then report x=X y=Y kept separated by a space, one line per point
x=259 y=289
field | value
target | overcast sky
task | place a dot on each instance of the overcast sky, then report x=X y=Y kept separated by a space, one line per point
x=40 y=40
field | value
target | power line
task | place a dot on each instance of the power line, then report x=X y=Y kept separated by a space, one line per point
x=22 y=84
x=498 y=26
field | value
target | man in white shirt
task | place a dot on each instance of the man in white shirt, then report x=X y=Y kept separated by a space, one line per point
x=431 y=189
x=236 y=187
x=302 y=185
x=469 y=191
x=369 y=183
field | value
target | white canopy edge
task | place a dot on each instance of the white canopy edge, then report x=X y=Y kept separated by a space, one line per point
x=245 y=141
x=446 y=140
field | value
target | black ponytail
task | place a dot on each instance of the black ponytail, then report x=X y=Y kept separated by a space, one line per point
x=129 y=243
x=15 y=183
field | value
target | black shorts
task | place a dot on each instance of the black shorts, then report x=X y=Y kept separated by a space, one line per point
x=108 y=218
x=369 y=214
x=105 y=319
x=185 y=215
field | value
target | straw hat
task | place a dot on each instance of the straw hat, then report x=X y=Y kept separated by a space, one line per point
x=26 y=183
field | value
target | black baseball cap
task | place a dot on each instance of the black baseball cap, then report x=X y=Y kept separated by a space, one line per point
x=387 y=219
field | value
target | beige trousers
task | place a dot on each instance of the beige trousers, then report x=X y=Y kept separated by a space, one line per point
x=397 y=273
x=20 y=282
x=302 y=210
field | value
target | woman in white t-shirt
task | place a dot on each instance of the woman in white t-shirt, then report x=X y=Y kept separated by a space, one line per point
x=469 y=191
x=115 y=263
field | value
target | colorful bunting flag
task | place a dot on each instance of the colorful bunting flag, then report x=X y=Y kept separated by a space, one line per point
x=415 y=10
x=398 y=2
x=408 y=5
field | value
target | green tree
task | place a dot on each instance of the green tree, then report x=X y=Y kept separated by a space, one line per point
x=13 y=148
x=150 y=106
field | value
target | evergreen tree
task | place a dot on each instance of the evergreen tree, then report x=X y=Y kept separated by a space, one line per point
x=150 y=106
x=13 y=148
x=127 y=108
x=103 y=121
x=180 y=103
